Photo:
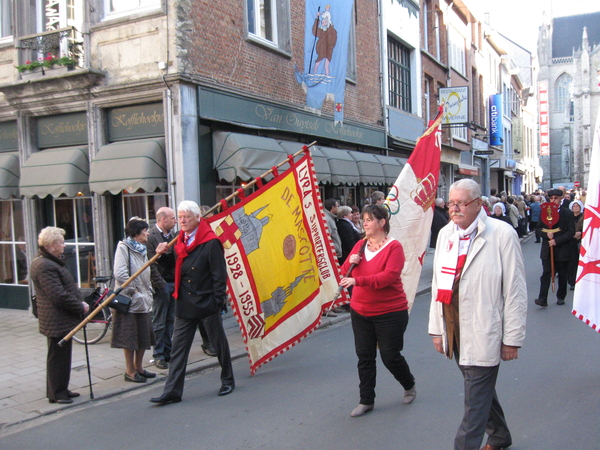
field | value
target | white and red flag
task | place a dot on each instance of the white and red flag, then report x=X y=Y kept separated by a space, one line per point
x=586 y=302
x=411 y=200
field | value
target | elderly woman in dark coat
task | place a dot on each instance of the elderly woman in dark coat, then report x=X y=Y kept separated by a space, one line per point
x=60 y=309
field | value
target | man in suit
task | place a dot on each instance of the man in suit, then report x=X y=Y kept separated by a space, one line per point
x=200 y=293
x=559 y=241
x=163 y=283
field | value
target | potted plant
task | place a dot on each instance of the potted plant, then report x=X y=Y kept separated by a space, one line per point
x=39 y=67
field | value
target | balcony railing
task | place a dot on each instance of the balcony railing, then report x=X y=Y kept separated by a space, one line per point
x=60 y=42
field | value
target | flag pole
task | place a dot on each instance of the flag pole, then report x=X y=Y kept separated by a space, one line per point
x=152 y=260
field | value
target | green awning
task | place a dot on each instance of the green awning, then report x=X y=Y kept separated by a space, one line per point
x=9 y=175
x=56 y=172
x=130 y=165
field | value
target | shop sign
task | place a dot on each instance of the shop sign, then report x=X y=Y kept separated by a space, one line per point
x=227 y=107
x=456 y=104
x=543 y=118
x=135 y=122
x=496 y=128
x=9 y=141
x=62 y=131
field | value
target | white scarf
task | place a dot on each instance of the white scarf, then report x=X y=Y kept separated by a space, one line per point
x=457 y=246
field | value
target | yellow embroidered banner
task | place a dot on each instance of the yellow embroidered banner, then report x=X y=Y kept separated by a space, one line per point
x=281 y=265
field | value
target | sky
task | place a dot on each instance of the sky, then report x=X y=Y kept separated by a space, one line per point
x=519 y=20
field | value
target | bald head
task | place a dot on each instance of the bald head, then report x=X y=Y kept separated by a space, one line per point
x=165 y=219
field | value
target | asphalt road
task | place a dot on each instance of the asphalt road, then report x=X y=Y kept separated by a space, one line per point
x=302 y=399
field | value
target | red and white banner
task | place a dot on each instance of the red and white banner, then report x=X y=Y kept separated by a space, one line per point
x=282 y=269
x=586 y=302
x=411 y=201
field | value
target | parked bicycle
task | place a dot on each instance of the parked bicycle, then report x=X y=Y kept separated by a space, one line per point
x=97 y=328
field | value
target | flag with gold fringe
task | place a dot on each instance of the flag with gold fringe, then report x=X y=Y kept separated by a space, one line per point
x=410 y=202
x=586 y=299
x=282 y=269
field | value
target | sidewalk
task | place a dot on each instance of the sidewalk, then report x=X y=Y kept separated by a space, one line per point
x=23 y=381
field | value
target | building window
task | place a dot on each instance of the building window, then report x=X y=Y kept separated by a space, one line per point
x=351 y=62
x=459 y=133
x=13 y=257
x=399 y=75
x=116 y=8
x=143 y=205
x=457 y=51
x=5 y=18
x=562 y=93
x=75 y=216
x=268 y=22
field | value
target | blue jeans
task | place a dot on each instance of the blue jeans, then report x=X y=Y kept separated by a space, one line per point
x=163 y=318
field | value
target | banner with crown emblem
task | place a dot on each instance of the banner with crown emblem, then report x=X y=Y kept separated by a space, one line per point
x=282 y=269
x=410 y=202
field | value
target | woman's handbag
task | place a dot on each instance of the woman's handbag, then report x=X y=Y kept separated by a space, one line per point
x=120 y=303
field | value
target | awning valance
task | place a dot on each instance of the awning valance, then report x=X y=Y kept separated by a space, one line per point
x=9 y=175
x=319 y=160
x=391 y=167
x=244 y=155
x=56 y=172
x=342 y=166
x=369 y=168
x=130 y=165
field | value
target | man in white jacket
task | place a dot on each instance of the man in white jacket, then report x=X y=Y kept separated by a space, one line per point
x=478 y=309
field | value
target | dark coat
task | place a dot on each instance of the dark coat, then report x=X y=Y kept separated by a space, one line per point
x=59 y=301
x=203 y=286
x=562 y=249
x=440 y=220
x=503 y=218
x=349 y=237
x=163 y=271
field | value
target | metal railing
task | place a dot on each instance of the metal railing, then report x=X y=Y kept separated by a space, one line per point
x=58 y=43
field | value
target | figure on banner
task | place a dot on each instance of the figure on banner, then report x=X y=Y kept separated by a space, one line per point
x=325 y=32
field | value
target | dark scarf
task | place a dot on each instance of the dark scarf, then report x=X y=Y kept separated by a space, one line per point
x=204 y=233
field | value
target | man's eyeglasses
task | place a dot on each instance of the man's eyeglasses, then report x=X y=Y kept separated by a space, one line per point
x=461 y=205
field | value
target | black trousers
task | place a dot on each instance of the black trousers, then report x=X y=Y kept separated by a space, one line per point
x=387 y=331
x=183 y=337
x=562 y=269
x=58 y=369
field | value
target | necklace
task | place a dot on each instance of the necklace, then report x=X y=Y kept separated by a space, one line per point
x=374 y=248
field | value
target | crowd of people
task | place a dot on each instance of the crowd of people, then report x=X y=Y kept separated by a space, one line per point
x=477 y=324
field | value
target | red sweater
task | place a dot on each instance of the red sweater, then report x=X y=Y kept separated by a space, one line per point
x=378 y=287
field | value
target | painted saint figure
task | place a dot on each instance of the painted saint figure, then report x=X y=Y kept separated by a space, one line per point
x=324 y=30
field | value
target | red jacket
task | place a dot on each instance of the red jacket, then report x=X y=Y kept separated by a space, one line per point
x=378 y=287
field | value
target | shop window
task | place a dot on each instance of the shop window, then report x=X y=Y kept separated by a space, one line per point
x=143 y=205
x=117 y=8
x=268 y=22
x=75 y=216
x=346 y=195
x=13 y=257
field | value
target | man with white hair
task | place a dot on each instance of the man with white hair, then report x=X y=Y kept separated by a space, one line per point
x=200 y=293
x=478 y=309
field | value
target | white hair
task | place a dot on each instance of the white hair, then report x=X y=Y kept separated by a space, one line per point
x=189 y=206
x=49 y=236
x=467 y=184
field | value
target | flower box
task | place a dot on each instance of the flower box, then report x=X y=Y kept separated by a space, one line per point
x=39 y=72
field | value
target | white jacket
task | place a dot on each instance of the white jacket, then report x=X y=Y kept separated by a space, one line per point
x=127 y=262
x=492 y=293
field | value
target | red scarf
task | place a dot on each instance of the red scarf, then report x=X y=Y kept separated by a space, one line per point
x=204 y=233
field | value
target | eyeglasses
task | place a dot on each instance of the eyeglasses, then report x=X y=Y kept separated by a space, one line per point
x=461 y=205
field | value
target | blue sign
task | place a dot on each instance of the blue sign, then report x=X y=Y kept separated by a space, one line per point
x=496 y=128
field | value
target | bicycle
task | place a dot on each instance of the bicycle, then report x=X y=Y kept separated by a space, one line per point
x=97 y=328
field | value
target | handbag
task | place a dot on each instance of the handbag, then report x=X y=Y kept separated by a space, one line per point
x=120 y=303
x=34 y=310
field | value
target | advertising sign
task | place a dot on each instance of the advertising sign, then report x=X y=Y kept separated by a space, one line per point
x=544 y=123
x=496 y=128
x=456 y=105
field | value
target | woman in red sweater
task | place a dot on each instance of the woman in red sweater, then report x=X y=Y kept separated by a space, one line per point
x=379 y=309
